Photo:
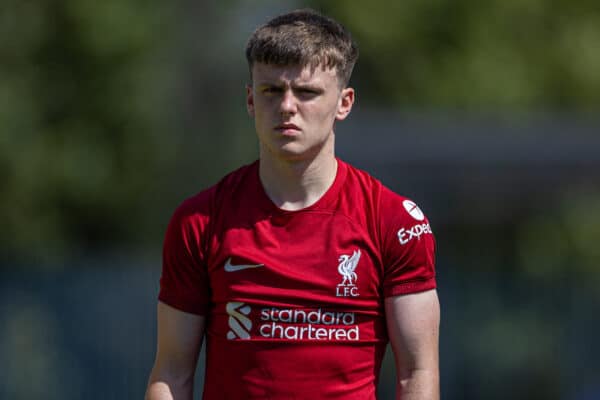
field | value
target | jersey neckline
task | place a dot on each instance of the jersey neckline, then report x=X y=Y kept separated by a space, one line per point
x=330 y=195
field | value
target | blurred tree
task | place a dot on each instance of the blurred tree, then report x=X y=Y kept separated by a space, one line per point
x=491 y=56
x=78 y=120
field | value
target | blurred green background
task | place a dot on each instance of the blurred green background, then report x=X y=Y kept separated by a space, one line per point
x=485 y=113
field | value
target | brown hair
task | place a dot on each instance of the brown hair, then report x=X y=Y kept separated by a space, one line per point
x=304 y=37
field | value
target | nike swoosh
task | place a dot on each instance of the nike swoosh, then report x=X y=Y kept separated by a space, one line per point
x=233 y=268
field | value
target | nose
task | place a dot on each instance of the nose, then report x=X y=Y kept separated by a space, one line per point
x=288 y=103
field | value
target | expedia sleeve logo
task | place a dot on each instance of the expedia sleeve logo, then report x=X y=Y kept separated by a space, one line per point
x=405 y=235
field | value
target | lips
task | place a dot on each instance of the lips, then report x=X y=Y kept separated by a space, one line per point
x=287 y=127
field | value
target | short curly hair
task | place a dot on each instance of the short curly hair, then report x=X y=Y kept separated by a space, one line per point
x=304 y=37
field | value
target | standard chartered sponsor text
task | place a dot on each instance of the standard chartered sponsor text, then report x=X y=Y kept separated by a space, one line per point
x=298 y=324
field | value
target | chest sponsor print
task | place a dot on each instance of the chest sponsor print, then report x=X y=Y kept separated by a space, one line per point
x=290 y=323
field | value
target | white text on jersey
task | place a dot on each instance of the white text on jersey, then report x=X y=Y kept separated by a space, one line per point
x=406 y=235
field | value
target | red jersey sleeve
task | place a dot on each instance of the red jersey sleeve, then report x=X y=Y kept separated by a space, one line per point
x=184 y=282
x=408 y=247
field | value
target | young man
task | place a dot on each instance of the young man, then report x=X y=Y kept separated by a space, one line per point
x=297 y=268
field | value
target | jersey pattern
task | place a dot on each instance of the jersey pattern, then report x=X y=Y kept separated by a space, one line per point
x=294 y=299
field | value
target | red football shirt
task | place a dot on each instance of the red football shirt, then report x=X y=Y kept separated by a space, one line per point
x=294 y=299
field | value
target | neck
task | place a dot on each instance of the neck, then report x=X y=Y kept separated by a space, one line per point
x=296 y=184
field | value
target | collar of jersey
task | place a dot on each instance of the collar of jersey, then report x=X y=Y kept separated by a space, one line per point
x=325 y=202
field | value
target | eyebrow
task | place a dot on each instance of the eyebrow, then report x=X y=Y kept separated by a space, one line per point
x=310 y=86
x=269 y=83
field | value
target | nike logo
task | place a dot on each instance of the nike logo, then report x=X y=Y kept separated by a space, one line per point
x=229 y=267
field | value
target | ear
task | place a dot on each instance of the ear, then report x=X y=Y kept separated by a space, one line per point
x=250 y=100
x=345 y=103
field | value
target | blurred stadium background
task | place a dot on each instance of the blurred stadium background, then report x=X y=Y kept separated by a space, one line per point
x=485 y=113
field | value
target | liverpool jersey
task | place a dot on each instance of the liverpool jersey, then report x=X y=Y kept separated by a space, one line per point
x=294 y=300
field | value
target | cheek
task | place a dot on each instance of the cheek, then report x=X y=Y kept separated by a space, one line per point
x=258 y=112
x=262 y=106
x=323 y=110
x=327 y=113
x=262 y=117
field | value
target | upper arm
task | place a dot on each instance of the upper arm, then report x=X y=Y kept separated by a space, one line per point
x=179 y=340
x=413 y=327
x=183 y=301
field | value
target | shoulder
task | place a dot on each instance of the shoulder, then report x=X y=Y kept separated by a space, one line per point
x=191 y=223
x=393 y=214
x=383 y=198
x=204 y=203
x=242 y=178
x=361 y=189
x=359 y=179
x=402 y=216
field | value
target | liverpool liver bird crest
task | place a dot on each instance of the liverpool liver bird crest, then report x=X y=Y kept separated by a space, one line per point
x=347 y=266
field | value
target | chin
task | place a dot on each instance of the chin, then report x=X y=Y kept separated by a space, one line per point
x=293 y=154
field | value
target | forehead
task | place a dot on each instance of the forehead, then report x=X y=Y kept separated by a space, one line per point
x=298 y=74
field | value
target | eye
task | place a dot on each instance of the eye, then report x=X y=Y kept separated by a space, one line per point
x=308 y=92
x=271 y=90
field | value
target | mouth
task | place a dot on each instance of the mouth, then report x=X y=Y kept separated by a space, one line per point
x=287 y=128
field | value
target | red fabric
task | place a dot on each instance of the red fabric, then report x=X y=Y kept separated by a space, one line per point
x=300 y=312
